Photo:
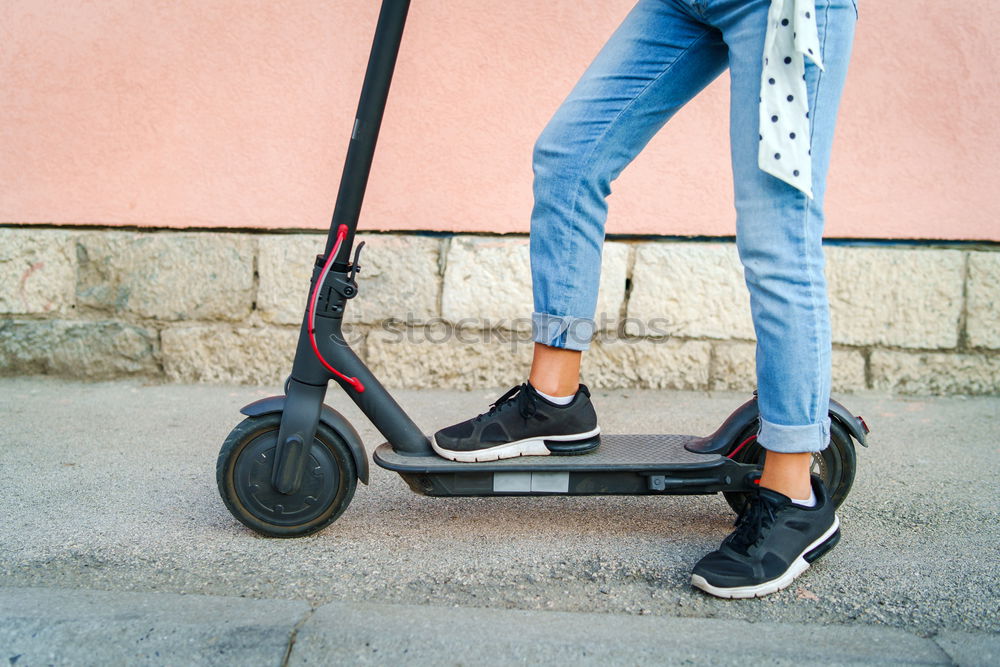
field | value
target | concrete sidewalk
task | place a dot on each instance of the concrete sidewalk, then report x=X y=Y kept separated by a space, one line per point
x=111 y=519
x=42 y=626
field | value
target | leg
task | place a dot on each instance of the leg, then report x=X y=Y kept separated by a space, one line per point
x=657 y=60
x=779 y=236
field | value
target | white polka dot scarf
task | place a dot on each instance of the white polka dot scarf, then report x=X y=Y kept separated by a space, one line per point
x=784 y=110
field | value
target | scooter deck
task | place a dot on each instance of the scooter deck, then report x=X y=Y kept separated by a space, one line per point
x=624 y=464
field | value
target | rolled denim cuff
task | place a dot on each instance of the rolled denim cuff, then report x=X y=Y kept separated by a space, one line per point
x=570 y=333
x=794 y=439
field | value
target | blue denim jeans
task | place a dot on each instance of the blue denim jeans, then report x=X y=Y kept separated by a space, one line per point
x=662 y=55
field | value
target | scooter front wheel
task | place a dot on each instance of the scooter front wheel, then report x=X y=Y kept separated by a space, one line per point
x=243 y=473
x=835 y=465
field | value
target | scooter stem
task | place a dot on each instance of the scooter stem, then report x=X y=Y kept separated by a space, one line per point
x=367 y=122
x=312 y=367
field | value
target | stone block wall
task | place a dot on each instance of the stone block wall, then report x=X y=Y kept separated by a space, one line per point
x=454 y=311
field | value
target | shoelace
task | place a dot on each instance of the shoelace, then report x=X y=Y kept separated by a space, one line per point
x=757 y=515
x=519 y=396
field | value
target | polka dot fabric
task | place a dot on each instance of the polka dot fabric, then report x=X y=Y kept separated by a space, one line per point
x=791 y=37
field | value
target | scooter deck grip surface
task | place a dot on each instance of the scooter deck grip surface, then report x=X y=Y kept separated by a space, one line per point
x=629 y=452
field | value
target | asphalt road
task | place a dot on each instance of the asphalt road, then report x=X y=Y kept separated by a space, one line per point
x=111 y=487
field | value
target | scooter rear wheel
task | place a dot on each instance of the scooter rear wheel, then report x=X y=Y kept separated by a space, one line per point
x=243 y=473
x=835 y=465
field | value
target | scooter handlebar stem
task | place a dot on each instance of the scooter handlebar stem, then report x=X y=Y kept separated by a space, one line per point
x=367 y=122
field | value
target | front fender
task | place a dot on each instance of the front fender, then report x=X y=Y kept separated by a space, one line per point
x=720 y=441
x=328 y=416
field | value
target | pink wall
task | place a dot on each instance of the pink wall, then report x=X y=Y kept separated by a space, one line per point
x=235 y=113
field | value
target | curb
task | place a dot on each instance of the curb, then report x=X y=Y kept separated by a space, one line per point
x=56 y=626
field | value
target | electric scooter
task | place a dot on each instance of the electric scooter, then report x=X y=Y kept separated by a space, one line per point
x=291 y=467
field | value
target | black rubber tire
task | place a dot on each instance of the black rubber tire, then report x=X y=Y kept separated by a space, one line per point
x=243 y=473
x=835 y=465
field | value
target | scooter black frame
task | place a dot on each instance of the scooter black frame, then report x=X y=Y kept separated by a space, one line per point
x=624 y=464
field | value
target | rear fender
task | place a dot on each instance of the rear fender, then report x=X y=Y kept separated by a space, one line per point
x=744 y=416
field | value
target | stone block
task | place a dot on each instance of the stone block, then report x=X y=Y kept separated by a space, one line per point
x=37 y=271
x=693 y=290
x=849 y=371
x=983 y=309
x=76 y=626
x=224 y=354
x=167 y=276
x=442 y=355
x=77 y=349
x=611 y=294
x=487 y=283
x=345 y=632
x=663 y=363
x=399 y=277
x=970 y=649
x=899 y=297
x=734 y=368
x=284 y=268
x=935 y=373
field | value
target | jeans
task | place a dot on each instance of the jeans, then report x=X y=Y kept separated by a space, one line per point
x=662 y=55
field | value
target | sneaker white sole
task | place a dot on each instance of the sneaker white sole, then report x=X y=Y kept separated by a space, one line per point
x=510 y=450
x=798 y=566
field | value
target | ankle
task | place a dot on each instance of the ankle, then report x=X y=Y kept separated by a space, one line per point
x=787 y=474
x=555 y=371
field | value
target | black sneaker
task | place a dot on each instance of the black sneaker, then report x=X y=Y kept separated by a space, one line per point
x=522 y=423
x=775 y=541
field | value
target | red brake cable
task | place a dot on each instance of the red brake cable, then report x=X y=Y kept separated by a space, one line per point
x=354 y=382
x=741 y=446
